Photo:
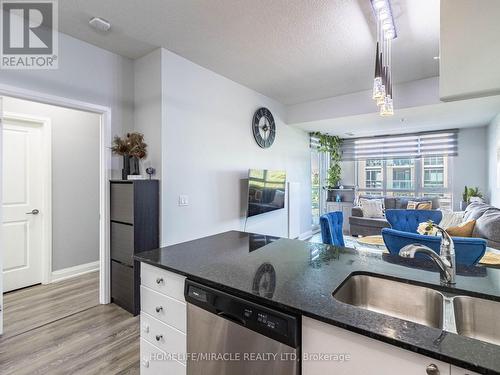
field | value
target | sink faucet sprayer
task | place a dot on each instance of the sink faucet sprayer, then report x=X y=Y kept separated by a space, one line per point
x=445 y=261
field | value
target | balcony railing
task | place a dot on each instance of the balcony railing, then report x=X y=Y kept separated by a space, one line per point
x=402 y=184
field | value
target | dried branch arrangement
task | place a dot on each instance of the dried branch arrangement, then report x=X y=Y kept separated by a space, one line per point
x=132 y=145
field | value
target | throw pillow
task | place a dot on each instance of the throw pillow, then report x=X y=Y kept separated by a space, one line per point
x=421 y=205
x=424 y=205
x=372 y=208
x=412 y=205
x=451 y=218
x=463 y=230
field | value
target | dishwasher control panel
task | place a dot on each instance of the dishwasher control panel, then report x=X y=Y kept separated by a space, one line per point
x=274 y=324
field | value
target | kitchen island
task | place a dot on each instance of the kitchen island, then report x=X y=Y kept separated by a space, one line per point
x=299 y=278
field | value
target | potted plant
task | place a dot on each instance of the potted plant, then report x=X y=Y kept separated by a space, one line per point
x=132 y=148
x=331 y=144
x=470 y=194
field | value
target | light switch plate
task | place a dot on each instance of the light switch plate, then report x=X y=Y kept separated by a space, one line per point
x=183 y=200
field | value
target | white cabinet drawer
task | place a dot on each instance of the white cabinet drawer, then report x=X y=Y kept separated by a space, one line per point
x=167 y=338
x=365 y=355
x=164 y=308
x=155 y=362
x=163 y=281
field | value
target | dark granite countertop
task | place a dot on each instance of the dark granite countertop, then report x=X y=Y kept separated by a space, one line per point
x=305 y=274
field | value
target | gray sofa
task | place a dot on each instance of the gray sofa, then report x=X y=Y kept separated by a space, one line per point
x=487 y=222
x=366 y=226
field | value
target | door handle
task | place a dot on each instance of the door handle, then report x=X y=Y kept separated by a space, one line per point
x=34 y=211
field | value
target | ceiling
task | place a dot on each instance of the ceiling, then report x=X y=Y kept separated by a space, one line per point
x=290 y=50
x=445 y=115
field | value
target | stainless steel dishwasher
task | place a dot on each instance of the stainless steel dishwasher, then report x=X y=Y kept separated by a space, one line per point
x=227 y=335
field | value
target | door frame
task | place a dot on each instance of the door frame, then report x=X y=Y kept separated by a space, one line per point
x=104 y=171
x=46 y=207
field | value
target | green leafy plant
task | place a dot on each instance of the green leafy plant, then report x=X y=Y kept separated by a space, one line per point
x=473 y=192
x=331 y=144
x=465 y=194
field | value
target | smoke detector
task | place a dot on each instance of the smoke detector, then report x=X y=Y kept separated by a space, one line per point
x=100 y=24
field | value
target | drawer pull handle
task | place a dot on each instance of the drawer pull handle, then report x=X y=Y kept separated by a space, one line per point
x=159 y=308
x=432 y=369
x=159 y=338
x=159 y=280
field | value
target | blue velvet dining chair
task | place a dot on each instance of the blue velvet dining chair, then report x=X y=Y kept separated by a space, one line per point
x=468 y=251
x=331 y=228
x=408 y=220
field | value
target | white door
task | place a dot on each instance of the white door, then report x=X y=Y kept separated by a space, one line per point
x=21 y=204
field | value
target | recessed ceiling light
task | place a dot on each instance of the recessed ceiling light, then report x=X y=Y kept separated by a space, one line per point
x=100 y=24
x=436 y=57
x=350 y=134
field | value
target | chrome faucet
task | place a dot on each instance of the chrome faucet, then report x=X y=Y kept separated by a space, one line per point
x=445 y=261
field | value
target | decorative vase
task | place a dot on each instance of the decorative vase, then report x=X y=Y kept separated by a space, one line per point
x=134 y=166
x=126 y=167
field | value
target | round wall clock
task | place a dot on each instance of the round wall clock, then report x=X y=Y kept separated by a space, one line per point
x=264 y=128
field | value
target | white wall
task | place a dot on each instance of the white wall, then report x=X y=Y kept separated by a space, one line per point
x=493 y=134
x=148 y=107
x=470 y=167
x=75 y=181
x=85 y=73
x=348 y=173
x=208 y=147
x=469 y=49
x=408 y=94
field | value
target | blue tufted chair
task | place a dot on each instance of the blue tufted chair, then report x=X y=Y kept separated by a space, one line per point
x=468 y=251
x=408 y=220
x=331 y=228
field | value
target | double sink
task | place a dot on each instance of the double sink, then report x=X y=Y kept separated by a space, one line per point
x=467 y=316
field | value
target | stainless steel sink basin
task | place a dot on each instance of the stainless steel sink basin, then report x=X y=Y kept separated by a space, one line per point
x=405 y=301
x=477 y=318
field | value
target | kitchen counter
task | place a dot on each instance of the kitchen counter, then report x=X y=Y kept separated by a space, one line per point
x=299 y=277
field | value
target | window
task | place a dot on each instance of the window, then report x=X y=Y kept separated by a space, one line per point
x=415 y=165
x=319 y=167
x=433 y=177
x=315 y=187
x=434 y=172
x=374 y=179
x=426 y=177
x=401 y=173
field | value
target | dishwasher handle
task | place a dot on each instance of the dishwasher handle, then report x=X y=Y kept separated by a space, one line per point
x=231 y=317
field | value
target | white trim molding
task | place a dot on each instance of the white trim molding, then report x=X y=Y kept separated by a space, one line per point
x=67 y=273
x=105 y=172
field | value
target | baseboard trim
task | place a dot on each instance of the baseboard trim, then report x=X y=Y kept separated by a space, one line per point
x=306 y=235
x=67 y=273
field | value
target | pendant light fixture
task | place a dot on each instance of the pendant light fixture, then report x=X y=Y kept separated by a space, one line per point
x=386 y=32
x=378 y=86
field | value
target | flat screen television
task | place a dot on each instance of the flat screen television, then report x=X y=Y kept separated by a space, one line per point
x=266 y=191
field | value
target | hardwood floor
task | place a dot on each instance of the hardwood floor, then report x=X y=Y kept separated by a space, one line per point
x=61 y=329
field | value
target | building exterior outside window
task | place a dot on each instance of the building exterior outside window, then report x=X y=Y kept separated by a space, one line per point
x=425 y=177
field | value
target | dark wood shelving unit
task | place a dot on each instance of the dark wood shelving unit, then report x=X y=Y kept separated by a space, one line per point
x=134 y=214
